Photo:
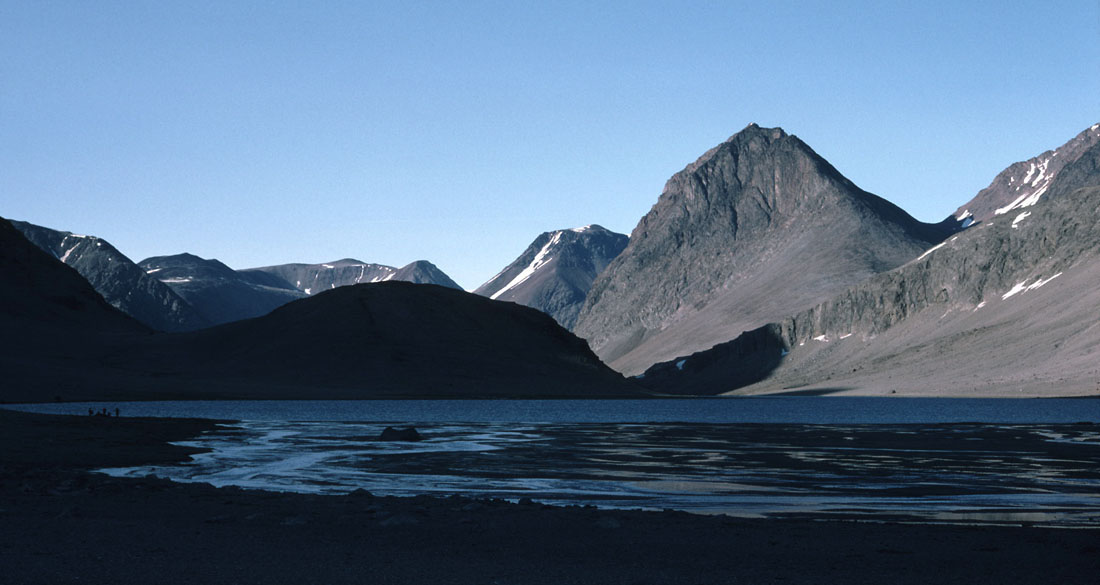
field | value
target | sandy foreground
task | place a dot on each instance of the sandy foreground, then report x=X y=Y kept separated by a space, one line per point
x=61 y=524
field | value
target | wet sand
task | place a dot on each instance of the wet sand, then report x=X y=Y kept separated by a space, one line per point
x=61 y=524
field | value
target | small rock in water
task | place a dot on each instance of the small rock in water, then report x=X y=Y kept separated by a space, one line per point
x=406 y=434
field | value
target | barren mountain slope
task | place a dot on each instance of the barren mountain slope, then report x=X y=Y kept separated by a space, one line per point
x=756 y=229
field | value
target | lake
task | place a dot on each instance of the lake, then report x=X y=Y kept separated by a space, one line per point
x=871 y=459
x=786 y=409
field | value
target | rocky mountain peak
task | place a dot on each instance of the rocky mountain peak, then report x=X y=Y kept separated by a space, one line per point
x=186 y=265
x=758 y=225
x=556 y=271
x=424 y=272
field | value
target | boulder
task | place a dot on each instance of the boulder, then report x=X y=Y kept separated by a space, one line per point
x=406 y=434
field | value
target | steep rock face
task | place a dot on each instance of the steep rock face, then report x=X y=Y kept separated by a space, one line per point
x=389 y=339
x=314 y=278
x=756 y=229
x=556 y=271
x=215 y=290
x=1007 y=307
x=114 y=276
x=1023 y=184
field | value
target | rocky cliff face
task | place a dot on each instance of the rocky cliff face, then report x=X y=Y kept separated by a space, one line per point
x=1006 y=306
x=556 y=271
x=216 y=291
x=114 y=276
x=1025 y=183
x=754 y=230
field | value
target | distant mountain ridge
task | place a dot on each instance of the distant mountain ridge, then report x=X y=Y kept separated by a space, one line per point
x=314 y=278
x=118 y=279
x=556 y=271
x=216 y=291
x=757 y=228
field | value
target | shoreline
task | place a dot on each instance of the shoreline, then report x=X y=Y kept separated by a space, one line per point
x=59 y=522
x=811 y=392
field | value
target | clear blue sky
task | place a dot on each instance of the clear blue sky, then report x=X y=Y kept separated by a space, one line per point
x=264 y=133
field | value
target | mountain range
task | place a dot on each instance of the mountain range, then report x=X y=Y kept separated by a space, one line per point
x=1007 y=307
x=556 y=271
x=184 y=292
x=760 y=269
x=63 y=341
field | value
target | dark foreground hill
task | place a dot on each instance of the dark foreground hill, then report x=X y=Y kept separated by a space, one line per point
x=556 y=271
x=54 y=327
x=386 y=339
x=756 y=229
x=1009 y=307
x=42 y=299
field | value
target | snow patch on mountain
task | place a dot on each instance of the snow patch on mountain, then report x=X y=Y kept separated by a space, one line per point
x=930 y=250
x=1039 y=186
x=1022 y=286
x=1019 y=218
x=540 y=259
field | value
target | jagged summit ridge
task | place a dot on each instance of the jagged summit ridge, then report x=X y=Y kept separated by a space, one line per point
x=314 y=278
x=1024 y=183
x=757 y=226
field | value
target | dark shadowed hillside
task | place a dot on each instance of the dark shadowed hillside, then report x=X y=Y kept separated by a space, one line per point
x=122 y=283
x=391 y=338
x=62 y=340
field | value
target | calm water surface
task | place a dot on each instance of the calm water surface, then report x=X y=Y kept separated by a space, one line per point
x=926 y=460
x=792 y=409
